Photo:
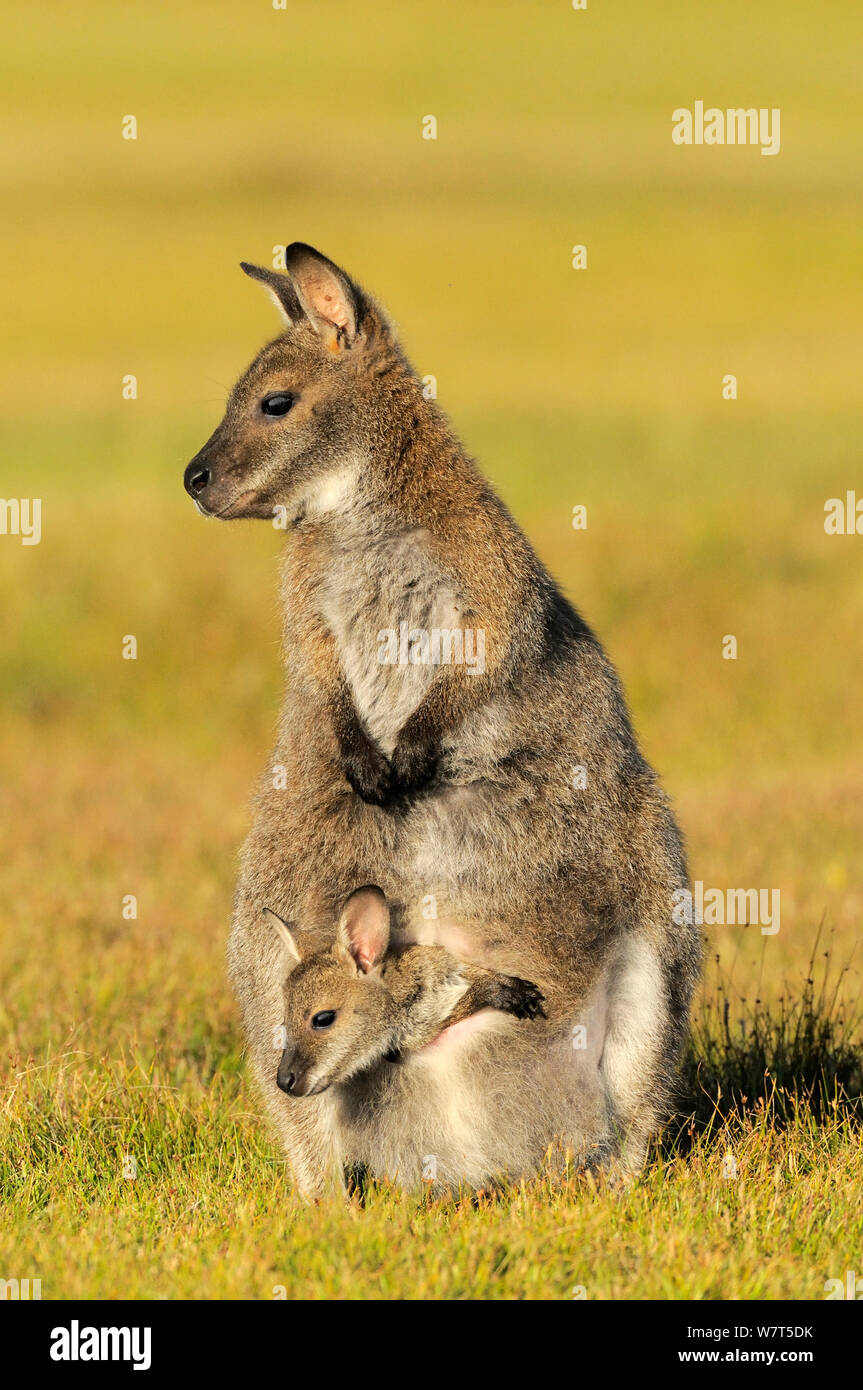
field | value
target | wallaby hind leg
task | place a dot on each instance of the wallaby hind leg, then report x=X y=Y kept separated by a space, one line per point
x=489 y=989
x=646 y=1024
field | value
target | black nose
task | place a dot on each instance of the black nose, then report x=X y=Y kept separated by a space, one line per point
x=285 y=1081
x=196 y=478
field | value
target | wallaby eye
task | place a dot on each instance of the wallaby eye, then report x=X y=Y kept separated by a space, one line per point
x=277 y=403
x=325 y=1019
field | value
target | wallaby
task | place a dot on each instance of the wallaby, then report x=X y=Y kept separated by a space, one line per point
x=357 y=1002
x=502 y=804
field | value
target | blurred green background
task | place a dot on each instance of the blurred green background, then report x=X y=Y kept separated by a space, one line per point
x=602 y=387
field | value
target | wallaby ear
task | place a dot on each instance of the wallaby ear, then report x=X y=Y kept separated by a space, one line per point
x=285 y=935
x=282 y=292
x=329 y=297
x=364 y=928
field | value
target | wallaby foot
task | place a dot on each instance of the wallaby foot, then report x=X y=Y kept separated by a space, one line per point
x=357 y=1181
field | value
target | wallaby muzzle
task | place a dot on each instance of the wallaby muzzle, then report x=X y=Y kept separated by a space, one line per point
x=293 y=1077
x=215 y=483
x=212 y=494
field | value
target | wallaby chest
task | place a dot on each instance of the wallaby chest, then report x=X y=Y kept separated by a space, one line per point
x=383 y=598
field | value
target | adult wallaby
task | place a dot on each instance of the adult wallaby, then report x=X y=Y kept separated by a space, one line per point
x=501 y=803
x=357 y=1001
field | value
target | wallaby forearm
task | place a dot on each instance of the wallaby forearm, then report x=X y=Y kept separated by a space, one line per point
x=500 y=615
x=425 y=982
x=491 y=989
x=432 y=990
x=314 y=653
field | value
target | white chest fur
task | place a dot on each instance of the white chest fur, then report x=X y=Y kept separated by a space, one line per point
x=380 y=594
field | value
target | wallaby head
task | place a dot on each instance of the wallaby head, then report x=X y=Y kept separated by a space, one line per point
x=306 y=406
x=338 y=1015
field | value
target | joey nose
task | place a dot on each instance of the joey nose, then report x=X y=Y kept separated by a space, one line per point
x=196 y=478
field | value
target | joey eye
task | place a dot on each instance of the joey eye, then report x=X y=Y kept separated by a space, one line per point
x=277 y=403
x=325 y=1019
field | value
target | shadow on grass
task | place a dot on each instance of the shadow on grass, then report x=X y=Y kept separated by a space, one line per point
x=744 y=1056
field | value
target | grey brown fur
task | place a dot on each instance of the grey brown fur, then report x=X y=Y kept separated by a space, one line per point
x=453 y=791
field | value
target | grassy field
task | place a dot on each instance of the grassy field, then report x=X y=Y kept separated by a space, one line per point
x=600 y=387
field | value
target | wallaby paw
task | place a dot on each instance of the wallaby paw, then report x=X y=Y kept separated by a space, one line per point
x=521 y=998
x=368 y=771
x=414 y=761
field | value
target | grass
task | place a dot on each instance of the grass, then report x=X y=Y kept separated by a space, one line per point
x=602 y=387
x=800 y=1053
x=210 y=1214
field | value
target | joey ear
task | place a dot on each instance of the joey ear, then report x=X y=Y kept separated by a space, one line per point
x=329 y=297
x=285 y=935
x=282 y=292
x=363 y=931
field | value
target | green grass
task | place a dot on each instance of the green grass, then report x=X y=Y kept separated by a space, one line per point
x=209 y=1212
x=600 y=387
